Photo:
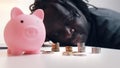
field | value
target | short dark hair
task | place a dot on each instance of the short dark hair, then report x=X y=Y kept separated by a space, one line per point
x=80 y=4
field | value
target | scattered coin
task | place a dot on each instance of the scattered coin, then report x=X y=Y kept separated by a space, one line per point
x=47 y=52
x=67 y=54
x=79 y=54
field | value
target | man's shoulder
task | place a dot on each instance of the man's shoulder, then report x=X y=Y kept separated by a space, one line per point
x=105 y=13
x=107 y=27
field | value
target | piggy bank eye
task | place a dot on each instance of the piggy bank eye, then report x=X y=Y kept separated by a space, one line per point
x=21 y=21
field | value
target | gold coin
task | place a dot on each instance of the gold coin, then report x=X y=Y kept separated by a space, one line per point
x=68 y=48
x=55 y=47
x=47 y=52
x=67 y=54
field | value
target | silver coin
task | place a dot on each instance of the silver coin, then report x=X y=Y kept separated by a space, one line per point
x=79 y=54
x=96 y=50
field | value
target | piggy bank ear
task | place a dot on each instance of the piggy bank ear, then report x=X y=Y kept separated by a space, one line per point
x=39 y=13
x=15 y=12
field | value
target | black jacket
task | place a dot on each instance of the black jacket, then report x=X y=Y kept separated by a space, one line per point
x=105 y=30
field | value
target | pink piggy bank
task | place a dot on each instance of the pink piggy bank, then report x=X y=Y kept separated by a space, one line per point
x=25 y=34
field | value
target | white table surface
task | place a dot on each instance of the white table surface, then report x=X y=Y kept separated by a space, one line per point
x=108 y=58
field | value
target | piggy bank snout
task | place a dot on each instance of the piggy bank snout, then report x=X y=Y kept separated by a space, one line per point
x=31 y=32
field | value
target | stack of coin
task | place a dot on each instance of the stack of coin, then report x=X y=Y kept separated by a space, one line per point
x=68 y=51
x=68 y=48
x=56 y=47
x=96 y=50
x=81 y=47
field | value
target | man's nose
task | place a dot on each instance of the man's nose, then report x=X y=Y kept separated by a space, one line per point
x=69 y=32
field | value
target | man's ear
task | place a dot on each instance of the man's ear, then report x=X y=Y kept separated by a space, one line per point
x=39 y=13
x=15 y=12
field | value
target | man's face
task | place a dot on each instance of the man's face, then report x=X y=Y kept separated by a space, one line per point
x=62 y=27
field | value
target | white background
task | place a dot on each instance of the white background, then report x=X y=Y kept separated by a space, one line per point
x=7 y=5
x=5 y=11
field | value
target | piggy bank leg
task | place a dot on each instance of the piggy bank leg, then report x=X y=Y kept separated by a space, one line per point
x=33 y=52
x=14 y=52
x=9 y=51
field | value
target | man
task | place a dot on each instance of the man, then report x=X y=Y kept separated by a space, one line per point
x=71 y=21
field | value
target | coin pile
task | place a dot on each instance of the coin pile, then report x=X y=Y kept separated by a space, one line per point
x=96 y=50
x=81 y=47
x=70 y=52
x=55 y=47
x=68 y=48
